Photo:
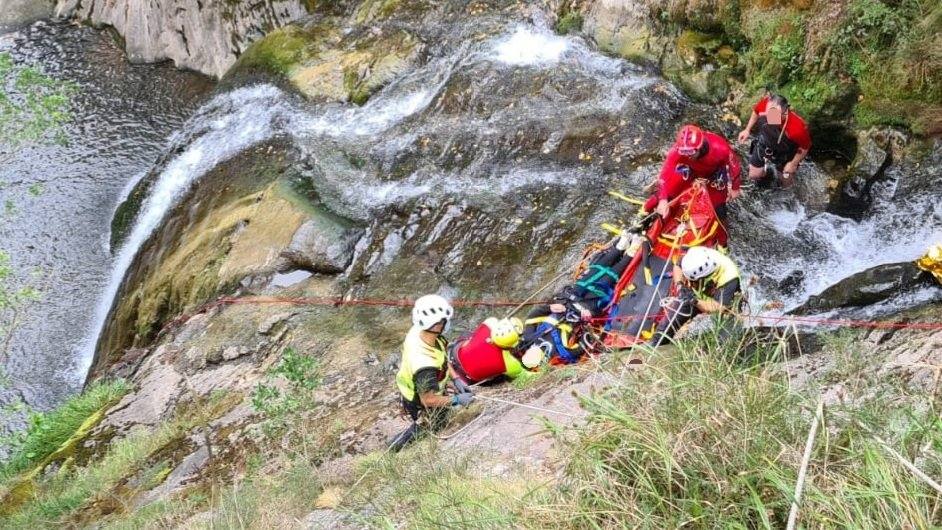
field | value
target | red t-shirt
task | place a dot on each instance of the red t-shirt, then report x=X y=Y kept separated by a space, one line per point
x=719 y=156
x=479 y=358
x=795 y=128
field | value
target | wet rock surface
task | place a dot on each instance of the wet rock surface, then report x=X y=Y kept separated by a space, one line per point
x=322 y=249
x=15 y=13
x=479 y=168
x=869 y=287
x=877 y=151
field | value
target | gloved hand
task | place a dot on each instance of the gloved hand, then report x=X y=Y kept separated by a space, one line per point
x=460 y=385
x=462 y=400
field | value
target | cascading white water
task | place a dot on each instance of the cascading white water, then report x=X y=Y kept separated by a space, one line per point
x=235 y=121
x=225 y=126
x=530 y=47
x=894 y=231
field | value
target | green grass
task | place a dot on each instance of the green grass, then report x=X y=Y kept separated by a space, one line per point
x=47 y=432
x=66 y=492
x=706 y=440
x=709 y=434
x=424 y=488
x=52 y=498
x=268 y=499
x=166 y=513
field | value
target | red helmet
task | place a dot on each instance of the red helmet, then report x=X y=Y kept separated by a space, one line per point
x=690 y=140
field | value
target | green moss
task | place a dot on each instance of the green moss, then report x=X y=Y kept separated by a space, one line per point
x=814 y=96
x=278 y=52
x=570 y=22
x=358 y=92
x=52 y=501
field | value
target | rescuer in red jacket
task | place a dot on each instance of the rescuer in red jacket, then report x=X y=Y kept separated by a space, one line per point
x=782 y=139
x=698 y=154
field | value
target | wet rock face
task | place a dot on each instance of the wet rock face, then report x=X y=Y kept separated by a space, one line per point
x=206 y=37
x=322 y=249
x=15 y=13
x=623 y=27
x=877 y=151
x=478 y=168
x=868 y=287
x=501 y=174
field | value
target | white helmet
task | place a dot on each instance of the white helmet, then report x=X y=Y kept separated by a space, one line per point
x=698 y=263
x=430 y=310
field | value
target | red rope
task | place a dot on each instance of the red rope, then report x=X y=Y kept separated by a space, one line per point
x=333 y=301
x=847 y=323
x=338 y=301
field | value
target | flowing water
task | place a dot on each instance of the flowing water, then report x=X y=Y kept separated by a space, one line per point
x=492 y=123
x=796 y=252
x=58 y=239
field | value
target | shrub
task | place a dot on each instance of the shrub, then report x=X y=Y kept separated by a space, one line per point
x=281 y=408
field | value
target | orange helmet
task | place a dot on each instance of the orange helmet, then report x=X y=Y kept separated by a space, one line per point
x=690 y=140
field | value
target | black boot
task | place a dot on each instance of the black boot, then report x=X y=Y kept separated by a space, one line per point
x=404 y=438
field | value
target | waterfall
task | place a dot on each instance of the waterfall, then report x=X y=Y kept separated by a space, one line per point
x=225 y=126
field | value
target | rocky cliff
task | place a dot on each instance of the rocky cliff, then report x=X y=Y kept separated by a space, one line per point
x=203 y=36
x=400 y=147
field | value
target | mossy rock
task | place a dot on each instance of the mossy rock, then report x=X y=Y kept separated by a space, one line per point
x=695 y=48
x=232 y=225
x=24 y=486
x=323 y=63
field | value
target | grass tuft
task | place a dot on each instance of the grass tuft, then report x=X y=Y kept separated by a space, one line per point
x=49 y=431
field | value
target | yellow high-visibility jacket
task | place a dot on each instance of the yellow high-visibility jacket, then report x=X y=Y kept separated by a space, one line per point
x=416 y=356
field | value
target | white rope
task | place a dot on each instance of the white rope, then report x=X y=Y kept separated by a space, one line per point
x=522 y=405
x=803 y=470
x=907 y=464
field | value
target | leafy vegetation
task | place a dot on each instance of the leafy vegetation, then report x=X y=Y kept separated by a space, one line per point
x=876 y=60
x=569 y=22
x=281 y=407
x=34 y=107
x=49 y=431
x=34 y=500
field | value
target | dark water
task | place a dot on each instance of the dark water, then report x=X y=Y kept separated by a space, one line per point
x=58 y=240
